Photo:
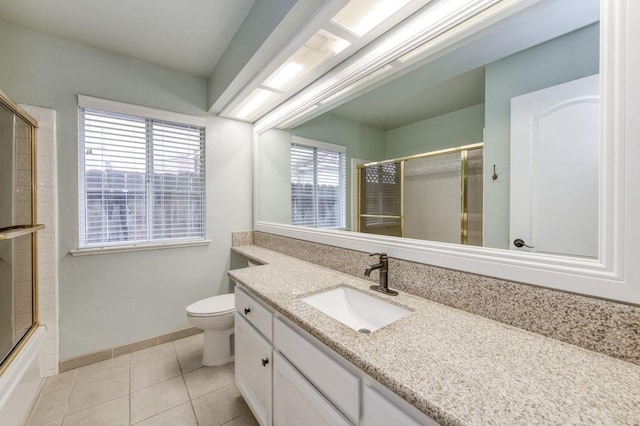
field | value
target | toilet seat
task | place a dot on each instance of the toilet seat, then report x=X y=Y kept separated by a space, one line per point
x=213 y=306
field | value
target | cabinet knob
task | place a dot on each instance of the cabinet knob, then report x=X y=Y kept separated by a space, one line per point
x=265 y=361
x=247 y=310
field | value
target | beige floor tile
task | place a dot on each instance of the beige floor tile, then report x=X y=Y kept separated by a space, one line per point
x=207 y=379
x=152 y=354
x=152 y=372
x=220 y=406
x=52 y=401
x=54 y=423
x=99 y=388
x=246 y=419
x=48 y=409
x=155 y=399
x=182 y=415
x=102 y=370
x=189 y=352
x=112 y=413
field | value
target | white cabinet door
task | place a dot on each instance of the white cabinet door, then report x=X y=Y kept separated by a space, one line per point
x=296 y=402
x=379 y=411
x=253 y=366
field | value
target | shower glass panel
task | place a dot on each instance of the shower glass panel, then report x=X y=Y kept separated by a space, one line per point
x=432 y=198
x=17 y=228
x=435 y=196
x=380 y=207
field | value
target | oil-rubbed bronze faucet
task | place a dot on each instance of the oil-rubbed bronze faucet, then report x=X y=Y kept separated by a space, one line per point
x=383 y=265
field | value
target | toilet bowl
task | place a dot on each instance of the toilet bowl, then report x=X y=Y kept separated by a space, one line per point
x=214 y=315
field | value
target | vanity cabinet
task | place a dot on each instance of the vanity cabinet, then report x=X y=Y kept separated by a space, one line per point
x=289 y=378
x=297 y=402
x=254 y=356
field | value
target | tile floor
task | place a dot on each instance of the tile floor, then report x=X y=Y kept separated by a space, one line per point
x=163 y=385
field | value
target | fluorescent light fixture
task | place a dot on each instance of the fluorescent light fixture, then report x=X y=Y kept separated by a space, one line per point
x=256 y=100
x=357 y=84
x=361 y=16
x=319 y=48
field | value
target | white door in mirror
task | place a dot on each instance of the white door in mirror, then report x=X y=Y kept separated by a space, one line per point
x=555 y=145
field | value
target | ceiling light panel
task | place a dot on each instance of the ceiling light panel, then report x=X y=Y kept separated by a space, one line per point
x=361 y=16
x=258 y=99
x=319 y=48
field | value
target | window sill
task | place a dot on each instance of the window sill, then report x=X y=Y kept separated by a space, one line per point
x=88 y=251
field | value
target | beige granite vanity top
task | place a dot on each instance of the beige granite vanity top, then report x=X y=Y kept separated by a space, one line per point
x=458 y=368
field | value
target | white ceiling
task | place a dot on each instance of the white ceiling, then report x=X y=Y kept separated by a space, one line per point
x=185 y=35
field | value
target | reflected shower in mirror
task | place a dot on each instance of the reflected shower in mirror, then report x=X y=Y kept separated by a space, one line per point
x=525 y=89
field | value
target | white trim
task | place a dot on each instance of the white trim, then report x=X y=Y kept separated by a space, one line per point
x=136 y=247
x=139 y=111
x=318 y=144
x=616 y=274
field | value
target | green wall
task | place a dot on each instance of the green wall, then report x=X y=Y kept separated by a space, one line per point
x=564 y=59
x=108 y=300
x=362 y=141
x=274 y=176
x=462 y=127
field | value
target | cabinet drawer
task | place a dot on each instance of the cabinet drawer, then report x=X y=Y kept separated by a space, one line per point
x=256 y=314
x=337 y=384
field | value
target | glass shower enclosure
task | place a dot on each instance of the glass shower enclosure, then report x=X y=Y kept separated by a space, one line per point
x=435 y=196
x=18 y=272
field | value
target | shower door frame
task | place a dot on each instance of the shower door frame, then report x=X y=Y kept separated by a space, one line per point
x=21 y=231
x=464 y=218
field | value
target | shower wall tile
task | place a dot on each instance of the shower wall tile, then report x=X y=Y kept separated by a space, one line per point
x=599 y=325
x=47 y=238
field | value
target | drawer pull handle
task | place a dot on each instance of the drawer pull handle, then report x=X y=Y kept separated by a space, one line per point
x=247 y=310
x=265 y=361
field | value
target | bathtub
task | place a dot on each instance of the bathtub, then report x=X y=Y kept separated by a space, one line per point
x=20 y=382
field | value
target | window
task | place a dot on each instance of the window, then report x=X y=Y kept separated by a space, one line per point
x=317 y=184
x=142 y=175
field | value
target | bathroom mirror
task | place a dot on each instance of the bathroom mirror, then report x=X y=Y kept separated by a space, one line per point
x=481 y=197
x=497 y=87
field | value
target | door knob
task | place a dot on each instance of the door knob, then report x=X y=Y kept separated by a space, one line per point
x=247 y=310
x=518 y=242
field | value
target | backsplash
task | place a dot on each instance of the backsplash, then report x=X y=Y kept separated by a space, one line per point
x=599 y=325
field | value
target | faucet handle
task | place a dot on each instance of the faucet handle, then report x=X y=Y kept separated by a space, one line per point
x=378 y=254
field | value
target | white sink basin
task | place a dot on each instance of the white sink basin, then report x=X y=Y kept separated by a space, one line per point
x=356 y=309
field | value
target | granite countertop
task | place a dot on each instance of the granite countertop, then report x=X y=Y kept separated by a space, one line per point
x=458 y=368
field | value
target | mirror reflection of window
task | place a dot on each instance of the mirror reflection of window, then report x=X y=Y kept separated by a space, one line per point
x=318 y=186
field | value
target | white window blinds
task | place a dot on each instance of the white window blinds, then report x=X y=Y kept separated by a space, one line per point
x=141 y=179
x=318 y=189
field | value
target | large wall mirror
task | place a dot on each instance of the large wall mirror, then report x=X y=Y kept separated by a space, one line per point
x=491 y=149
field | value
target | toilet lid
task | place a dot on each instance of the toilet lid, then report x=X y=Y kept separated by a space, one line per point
x=211 y=306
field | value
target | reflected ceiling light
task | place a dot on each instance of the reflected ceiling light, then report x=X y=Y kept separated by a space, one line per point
x=256 y=100
x=357 y=84
x=361 y=16
x=319 y=48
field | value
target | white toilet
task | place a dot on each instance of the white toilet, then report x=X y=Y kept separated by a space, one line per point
x=214 y=315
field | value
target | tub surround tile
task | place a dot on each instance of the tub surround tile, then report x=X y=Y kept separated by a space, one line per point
x=455 y=366
x=599 y=325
